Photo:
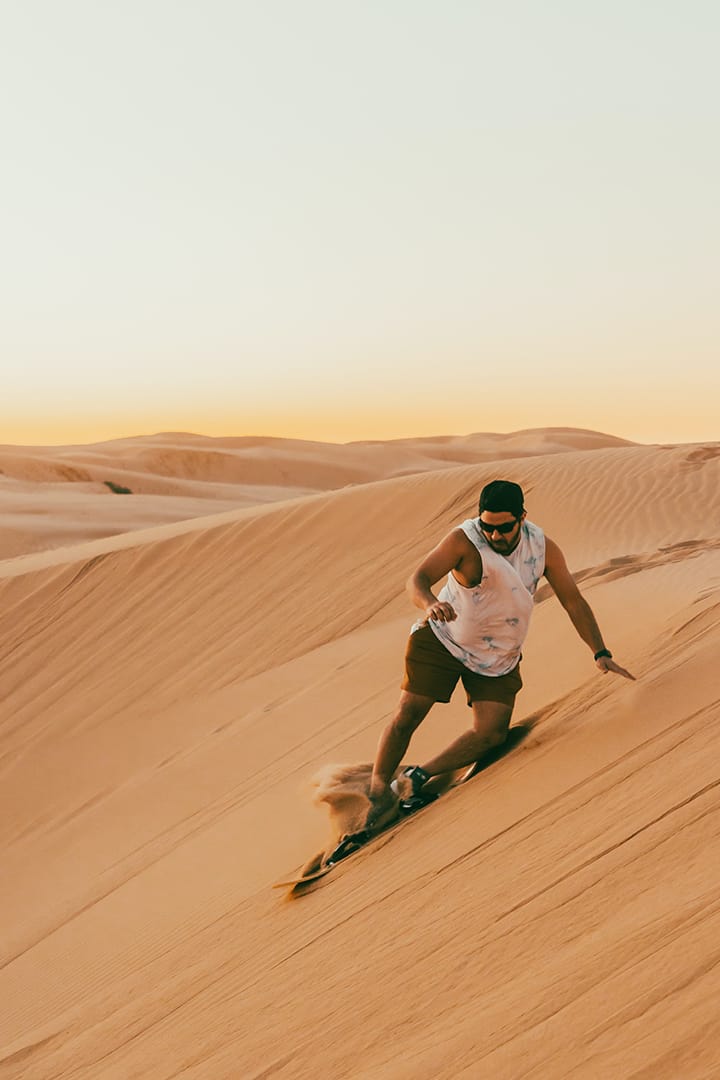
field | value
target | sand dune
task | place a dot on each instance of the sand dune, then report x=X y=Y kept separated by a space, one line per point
x=167 y=697
x=49 y=495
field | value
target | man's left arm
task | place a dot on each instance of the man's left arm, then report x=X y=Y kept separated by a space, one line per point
x=577 y=607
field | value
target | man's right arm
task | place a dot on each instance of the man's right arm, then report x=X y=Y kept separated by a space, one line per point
x=445 y=557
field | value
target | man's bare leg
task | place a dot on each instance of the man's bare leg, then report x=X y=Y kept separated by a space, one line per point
x=394 y=741
x=491 y=720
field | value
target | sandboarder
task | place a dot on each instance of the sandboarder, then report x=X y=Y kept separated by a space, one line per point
x=474 y=630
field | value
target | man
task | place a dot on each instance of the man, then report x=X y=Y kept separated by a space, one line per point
x=474 y=630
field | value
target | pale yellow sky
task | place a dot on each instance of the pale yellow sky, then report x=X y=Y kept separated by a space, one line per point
x=626 y=419
x=371 y=221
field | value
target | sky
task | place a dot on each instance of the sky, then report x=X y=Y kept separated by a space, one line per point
x=339 y=220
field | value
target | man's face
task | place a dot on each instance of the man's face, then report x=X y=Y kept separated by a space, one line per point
x=501 y=529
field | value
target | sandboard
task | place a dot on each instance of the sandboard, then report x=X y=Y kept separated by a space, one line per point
x=316 y=868
x=306 y=879
x=295 y=884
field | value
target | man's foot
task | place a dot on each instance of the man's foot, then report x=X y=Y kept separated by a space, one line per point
x=347 y=846
x=417 y=778
x=383 y=808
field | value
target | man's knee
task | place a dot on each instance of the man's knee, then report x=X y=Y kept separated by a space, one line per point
x=410 y=714
x=494 y=738
x=491 y=721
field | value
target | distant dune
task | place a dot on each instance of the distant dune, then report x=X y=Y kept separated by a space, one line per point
x=168 y=693
x=49 y=495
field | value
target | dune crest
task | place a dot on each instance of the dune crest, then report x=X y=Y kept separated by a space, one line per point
x=49 y=495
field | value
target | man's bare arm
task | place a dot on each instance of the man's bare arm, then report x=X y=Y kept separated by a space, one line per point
x=577 y=607
x=445 y=557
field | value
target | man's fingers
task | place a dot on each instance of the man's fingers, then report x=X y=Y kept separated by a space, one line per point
x=621 y=671
x=606 y=665
x=441 y=612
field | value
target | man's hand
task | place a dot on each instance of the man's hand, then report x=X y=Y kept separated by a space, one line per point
x=439 y=611
x=606 y=664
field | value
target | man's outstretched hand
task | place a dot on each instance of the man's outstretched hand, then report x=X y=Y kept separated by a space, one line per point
x=606 y=664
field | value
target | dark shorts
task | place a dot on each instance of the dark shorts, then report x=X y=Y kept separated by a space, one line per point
x=432 y=671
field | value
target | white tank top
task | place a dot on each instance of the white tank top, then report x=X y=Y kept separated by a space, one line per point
x=493 y=617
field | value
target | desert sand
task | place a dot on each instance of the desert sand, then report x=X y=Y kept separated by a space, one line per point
x=174 y=674
x=49 y=494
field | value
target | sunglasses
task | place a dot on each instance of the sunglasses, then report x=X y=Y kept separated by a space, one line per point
x=504 y=527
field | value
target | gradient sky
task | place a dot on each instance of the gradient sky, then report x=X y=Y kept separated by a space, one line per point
x=344 y=220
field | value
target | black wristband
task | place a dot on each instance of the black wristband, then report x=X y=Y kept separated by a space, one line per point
x=602 y=652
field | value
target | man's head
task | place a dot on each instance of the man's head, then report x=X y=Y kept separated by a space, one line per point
x=500 y=514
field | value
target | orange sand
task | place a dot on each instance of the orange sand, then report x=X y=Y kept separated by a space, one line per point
x=168 y=693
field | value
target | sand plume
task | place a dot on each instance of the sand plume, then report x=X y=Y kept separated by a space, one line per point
x=343 y=790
